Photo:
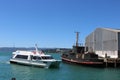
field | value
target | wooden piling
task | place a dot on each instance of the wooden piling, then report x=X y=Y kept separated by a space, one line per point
x=106 y=63
x=115 y=63
x=105 y=60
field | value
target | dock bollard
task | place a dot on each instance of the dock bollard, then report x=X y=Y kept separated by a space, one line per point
x=13 y=79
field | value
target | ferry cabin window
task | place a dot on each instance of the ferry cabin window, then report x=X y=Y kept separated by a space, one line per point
x=47 y=57
x=21 y=56
x=36 y=58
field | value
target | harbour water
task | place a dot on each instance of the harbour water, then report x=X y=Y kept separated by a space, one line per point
x=65 y=72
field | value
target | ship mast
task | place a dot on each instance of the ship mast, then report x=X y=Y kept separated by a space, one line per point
x=77 y=37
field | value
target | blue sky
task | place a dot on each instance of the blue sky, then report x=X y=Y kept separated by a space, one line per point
x=52 y=23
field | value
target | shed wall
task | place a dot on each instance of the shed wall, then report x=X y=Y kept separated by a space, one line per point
x=119 y=41
x=119 y=44
x=109 y=40
x=103 y=41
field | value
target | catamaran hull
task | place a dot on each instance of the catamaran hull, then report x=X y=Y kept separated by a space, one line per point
x=41 y=64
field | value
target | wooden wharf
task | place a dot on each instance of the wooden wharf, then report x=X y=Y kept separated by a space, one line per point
x=112 y=62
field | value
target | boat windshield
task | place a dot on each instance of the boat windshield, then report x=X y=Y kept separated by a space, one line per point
x=47 y=57
x=36 y=58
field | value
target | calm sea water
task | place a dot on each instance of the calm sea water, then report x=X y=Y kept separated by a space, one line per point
x=65 y=72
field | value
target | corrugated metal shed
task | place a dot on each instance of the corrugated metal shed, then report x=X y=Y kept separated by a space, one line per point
x=104 y=41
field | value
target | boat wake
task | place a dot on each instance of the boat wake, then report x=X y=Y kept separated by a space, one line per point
x=4 y=62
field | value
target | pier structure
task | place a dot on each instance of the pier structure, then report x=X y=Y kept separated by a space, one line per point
x=111 y=62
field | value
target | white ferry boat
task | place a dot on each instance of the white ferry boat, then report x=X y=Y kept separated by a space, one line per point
x=34 y=58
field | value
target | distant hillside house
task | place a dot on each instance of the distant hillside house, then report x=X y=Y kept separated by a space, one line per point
x=104 y=41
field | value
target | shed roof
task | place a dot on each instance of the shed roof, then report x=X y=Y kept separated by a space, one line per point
x=115 y=30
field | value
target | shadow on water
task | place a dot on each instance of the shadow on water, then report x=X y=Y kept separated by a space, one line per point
x=91 y=73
